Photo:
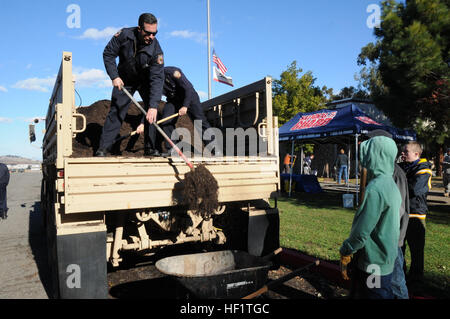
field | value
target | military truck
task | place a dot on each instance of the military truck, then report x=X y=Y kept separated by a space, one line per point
x=97 y=210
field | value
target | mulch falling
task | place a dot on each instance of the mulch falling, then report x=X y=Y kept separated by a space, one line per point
x=201 y=191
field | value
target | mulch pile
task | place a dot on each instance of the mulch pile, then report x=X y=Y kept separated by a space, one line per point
x=86 y=144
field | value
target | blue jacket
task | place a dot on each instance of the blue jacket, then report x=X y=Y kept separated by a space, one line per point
x=419 y=175
x=138 y=64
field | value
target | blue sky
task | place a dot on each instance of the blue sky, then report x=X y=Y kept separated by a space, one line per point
x=254 y=38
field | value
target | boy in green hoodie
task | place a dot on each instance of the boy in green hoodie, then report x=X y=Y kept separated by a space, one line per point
x=376 y=225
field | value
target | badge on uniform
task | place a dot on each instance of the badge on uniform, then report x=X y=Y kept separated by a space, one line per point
x=118 y=33
x=177 y=74
x=160 y=59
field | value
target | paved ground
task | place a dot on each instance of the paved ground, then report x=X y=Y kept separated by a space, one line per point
x=23 y=268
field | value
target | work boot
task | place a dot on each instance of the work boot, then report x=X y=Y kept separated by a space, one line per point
x=151 y=152
x=101 y=152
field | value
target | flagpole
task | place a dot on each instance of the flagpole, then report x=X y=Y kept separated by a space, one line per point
x=209 y=54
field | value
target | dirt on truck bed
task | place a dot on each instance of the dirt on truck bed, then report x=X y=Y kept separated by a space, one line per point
x=86 y=144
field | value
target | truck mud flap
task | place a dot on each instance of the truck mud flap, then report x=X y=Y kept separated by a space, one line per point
x=82 y=272
x=263 y=231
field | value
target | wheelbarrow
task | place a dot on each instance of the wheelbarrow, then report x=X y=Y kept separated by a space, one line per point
x=226 y=274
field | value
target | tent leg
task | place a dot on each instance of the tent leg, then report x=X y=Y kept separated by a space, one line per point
x=302 y=156
x=356 y=167
x=291 y=170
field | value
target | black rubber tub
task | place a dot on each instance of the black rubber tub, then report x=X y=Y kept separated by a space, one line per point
x=217 y=275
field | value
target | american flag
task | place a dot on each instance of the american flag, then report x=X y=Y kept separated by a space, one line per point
x=219 y=63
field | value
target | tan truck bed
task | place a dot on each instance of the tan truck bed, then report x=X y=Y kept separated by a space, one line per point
x=119 y=183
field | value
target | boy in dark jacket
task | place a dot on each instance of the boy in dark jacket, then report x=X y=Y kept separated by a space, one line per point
x=418 y=173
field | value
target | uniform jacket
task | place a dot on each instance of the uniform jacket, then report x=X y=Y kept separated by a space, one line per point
x=177 y=87
x=419 y=175
x=376 y=225
x=138 y=64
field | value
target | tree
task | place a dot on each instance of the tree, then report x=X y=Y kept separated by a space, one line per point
x=294 y=93
x=406 y=70
x=351 y=92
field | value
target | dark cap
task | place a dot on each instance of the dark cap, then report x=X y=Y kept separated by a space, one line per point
x=379 y=133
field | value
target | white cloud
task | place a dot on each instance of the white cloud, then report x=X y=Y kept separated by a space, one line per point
x=96 y=34
x=36 y=84
x=92 y=78
x=3 y=89
x=186 y=34
x=202 y=95
x=5 y=120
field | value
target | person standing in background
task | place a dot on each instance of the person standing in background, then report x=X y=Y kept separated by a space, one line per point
x=4 y=180
x=446 y=173
x=341 y=164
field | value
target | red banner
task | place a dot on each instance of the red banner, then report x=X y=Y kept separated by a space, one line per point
x=313 y=120
x=367 y=120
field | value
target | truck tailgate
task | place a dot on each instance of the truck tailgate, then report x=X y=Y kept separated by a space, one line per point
x=116 y=183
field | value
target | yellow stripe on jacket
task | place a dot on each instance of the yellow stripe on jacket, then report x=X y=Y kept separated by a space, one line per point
x=426 y=171
x=420 y=216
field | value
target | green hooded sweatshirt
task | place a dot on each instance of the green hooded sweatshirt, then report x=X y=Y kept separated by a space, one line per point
x=376 y=225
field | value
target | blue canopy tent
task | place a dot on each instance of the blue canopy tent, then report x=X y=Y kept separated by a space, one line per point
x=336 y=126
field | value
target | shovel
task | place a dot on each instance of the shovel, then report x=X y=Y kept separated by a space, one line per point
x=200 y=191
x=172 y=144
x=120 y=138
x=280 y=280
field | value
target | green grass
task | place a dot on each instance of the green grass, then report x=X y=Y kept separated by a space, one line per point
x=317 y=224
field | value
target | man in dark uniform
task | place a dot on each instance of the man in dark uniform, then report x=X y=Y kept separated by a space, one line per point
x=182 y=98
x=141 y=68
x=4 y=180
